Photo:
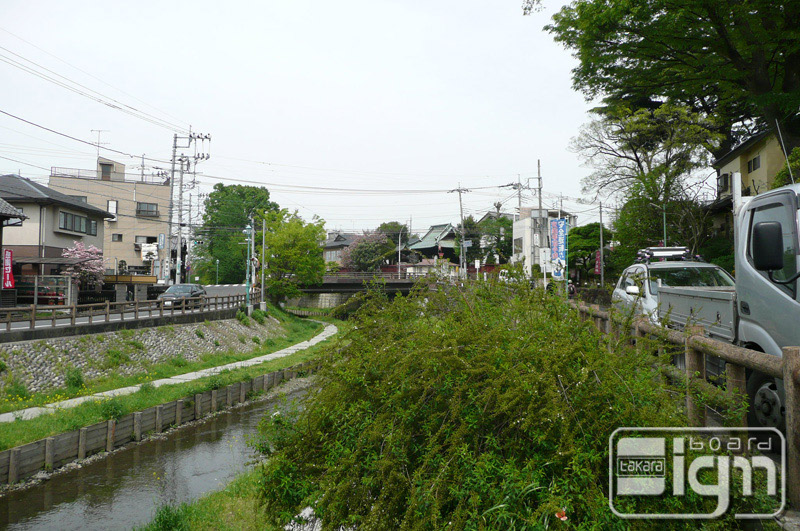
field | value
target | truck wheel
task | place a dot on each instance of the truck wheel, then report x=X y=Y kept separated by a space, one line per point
x=767 y=408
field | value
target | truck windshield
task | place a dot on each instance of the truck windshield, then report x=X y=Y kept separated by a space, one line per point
x=689 y=276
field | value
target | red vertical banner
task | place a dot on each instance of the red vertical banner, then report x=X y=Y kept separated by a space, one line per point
x=8 y=275
x=598 y=264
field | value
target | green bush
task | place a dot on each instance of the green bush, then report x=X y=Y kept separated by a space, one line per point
x=135 y=344
x=112 y=408
x=483 y=407
x=215 y=382
x=178 y=361
x=16 y=388
x=146 y=387
x=73 y=379
x=259 y=316
x=256 y=340
x=199 y=333
x=170 y=518
x=3 y=366
x=216 y=342
x=242 y=318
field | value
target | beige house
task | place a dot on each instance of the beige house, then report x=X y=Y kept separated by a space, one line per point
x=139 y=204
x=758 y=160
x=55 y=221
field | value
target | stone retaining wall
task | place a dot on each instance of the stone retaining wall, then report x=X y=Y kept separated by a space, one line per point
x=42 y=365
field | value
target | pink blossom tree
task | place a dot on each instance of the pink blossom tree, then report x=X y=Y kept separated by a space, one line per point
x=88 y=268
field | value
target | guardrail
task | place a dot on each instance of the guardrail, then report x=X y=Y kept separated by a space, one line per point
x=696 y=346
x=103 y=312
x=361 y=275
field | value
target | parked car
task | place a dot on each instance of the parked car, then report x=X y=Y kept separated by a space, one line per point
x=177 y=293
x=638 y=286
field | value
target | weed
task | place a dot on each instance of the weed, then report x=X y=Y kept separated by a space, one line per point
x=242 y=318
x=125 y=334
x=259 y=316
x=178 y=361
x=115 y=358
x=16 y=389
x=146 y=388
x=3 y=366
x=207 y=323
x=112 y=409
x=256 y=340
x=135 y=344
x=215 y=382
x=199 y=333
x=73 y=379
x=242 y=339
x=170 y=517
x=216 y=343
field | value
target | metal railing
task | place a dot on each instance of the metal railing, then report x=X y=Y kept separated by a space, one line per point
x=104 y=311
x=738 y=359
x=377 y=275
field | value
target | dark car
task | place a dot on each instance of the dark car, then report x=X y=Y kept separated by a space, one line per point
x=177 y=293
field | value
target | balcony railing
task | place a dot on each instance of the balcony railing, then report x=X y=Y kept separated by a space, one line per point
x=76 y=173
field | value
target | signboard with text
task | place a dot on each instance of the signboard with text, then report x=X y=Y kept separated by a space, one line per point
x=558 y=247
x=598 y=263
x=8 y=274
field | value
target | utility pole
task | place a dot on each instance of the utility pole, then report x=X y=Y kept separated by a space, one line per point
x=461 y=258
x=602 y=258
x=263 y=255
x=168 y=267
x=249 y=232
x=192 y=138
x=519 y=196
x=540 y=221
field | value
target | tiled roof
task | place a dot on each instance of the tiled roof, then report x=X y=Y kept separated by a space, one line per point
x=14 y=188
x=8 y=211
x=435 y=237
x=341 y=239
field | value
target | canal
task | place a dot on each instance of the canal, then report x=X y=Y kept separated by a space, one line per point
x=125 y=489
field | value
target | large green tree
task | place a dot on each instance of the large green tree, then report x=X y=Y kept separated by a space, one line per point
x=394 y=229
x=228 y=210
x=368 y=252
x=737 y=60
x=584 y=242
x=472 y=233
x=293 y=254
x=498 y=234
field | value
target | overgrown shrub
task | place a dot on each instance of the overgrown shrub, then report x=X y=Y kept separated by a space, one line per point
x=73 y=378
x=199 y=333
x=259 y=316
x=178 y=361
x=16 y=388
x=256 y=340
x=170 y=518
x=115 y=357
x=112 y=408
x=483 y=407
x=242 y=318
x=3 y=366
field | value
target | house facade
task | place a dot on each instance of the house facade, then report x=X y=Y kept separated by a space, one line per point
x=439 y=241
x=134 y=236
x=335 y=244
x=55 y=221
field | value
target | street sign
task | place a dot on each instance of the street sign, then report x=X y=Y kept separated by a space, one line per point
x=161 y=240
x=598 y=263
x=536 y=239
x=467 y=243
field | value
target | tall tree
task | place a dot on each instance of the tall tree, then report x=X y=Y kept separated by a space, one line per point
x=584 y=242
x=293 y=254
x=472 y=233
x=368 y=252
x=228 y=209
x=498 y=233
x=394 y=229
x=88 y=269
x=738 y=60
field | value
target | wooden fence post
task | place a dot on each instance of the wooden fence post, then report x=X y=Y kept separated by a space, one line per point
x=8 y=321
x=82 y=442
x=73 y=314
x=161 y=308
x=110 y=432
x=242 y=396
x=213 y=400
x=33 y=316
x=159 y=418
x=791 y=383
x=108 y=311
x=198 y=410
x=137 y=426
x=229 y=396
x=54 y=317
x=13 y=466
x=695 y=364
x=136 y=310
x=49 y=452
x=178 y=412
x=736 y=382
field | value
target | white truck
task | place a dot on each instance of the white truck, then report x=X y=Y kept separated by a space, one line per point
x=762 y=311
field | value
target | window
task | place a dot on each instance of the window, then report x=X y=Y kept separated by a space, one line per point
x=116 y=237
x=781 y=213
x=147 y=209
x=76 y=223
x=111 y=207
x=722 y=183
x=105 y=171
x=517 y=245
x=146 y=239
x=754 y=164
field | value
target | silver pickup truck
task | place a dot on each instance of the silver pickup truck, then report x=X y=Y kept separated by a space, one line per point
x=762 y=312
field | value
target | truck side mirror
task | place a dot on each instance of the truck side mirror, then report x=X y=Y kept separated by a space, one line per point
x=632 y=290
x=768 y=246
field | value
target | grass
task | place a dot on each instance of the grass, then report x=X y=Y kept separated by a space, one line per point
x=234 y=507
x=24 y=431
x=297 y=330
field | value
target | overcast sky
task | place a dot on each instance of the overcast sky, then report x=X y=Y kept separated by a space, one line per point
x=360 y=94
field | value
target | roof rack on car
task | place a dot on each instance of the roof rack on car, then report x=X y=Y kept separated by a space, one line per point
x=665 y=253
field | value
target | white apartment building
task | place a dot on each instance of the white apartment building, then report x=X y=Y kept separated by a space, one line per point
x=532 y=232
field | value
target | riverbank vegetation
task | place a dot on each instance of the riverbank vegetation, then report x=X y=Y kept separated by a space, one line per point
x=15 y=396
x=24 y=431
x=486 y=406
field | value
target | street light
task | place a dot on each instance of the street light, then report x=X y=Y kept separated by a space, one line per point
x=664 y=211
x=217 y=270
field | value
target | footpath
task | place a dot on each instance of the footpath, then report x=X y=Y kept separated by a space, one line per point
x=33 y=412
